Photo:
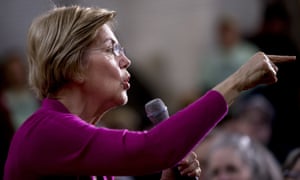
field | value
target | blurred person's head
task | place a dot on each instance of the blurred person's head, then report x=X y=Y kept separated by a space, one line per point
x=14 y=69
x=228 y=32
x=236 y=157
x=291 y=165
x=253 y=115
x=276 y=18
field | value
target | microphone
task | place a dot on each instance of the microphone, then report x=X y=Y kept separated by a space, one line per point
x=157 y=111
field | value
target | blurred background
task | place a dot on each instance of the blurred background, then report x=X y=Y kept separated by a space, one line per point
x=179 y=50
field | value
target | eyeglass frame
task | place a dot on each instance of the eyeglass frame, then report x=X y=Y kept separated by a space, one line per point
x=117 y=50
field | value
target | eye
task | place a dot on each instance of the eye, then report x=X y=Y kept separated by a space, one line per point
x=215 y=172
x=109 y=49
x=231 y=169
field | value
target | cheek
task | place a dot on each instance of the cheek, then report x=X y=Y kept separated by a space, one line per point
x=112 y=73
x=105 y=69
x=102 y=76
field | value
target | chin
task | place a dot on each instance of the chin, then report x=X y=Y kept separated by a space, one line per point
x=125 y=100
x=122 y=100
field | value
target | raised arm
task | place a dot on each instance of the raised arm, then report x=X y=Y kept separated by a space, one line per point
x=259 y=69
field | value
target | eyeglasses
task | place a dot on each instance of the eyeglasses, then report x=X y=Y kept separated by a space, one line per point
x=118 y=50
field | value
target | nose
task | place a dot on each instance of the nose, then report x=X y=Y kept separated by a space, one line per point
x=125 y=62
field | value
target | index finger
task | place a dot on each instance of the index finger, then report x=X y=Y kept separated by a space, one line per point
x=278 y=58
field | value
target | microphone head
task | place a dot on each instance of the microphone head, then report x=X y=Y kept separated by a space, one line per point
x=156 y=110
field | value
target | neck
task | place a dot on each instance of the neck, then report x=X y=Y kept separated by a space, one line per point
x=87 y=108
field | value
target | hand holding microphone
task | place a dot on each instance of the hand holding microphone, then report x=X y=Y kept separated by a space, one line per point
x=157 y=111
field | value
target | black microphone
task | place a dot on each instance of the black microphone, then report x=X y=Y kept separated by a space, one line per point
x=157 y=111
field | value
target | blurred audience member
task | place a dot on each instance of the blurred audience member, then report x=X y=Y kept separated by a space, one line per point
x=275 y=38
x=230 y=53
x=18 y=98
x=252 y=115
x=202 y=150
x=237 y=157
x=6 y=128
x=291 y=165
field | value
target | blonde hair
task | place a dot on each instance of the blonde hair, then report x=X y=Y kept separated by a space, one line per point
x=56 y=42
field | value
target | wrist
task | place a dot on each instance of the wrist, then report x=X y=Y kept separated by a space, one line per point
x=229 y=88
